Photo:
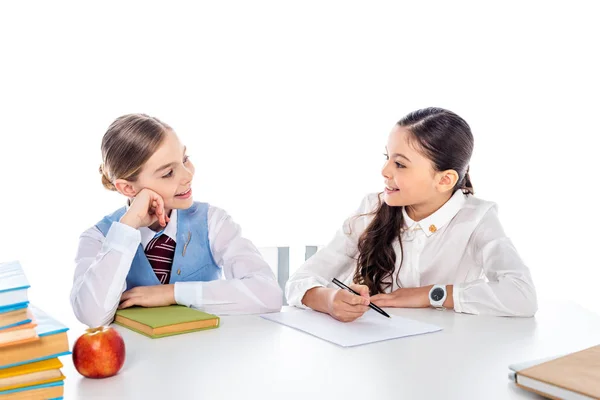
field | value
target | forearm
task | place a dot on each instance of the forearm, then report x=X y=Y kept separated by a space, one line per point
x=250 y=295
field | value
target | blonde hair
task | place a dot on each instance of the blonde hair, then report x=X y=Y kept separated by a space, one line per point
x=126 y=146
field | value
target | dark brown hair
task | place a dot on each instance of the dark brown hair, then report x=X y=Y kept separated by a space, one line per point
x=444 y=138
x=127 y=144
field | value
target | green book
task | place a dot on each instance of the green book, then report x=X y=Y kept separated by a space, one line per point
x=157 y=322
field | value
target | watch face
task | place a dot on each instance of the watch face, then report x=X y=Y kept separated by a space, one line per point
x=437 y=294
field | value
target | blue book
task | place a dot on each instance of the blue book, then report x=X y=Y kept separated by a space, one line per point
x=53 y=342
x=13 y=285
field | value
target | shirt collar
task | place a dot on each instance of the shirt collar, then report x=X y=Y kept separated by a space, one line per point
x=170 y=230
x=438 y=219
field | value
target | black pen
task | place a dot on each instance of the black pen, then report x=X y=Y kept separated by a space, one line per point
x=373 y=306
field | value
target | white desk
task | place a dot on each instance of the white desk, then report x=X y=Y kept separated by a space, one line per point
x=248 y=357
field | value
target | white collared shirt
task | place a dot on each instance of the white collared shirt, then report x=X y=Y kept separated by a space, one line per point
x=461 y=244
x=102 y=265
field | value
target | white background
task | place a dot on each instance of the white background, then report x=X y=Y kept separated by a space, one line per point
x=285 y=108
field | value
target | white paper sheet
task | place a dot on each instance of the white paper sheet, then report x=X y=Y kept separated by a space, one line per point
x=371 y=327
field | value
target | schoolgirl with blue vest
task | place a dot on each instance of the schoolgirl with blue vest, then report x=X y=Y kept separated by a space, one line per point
x=163 y=248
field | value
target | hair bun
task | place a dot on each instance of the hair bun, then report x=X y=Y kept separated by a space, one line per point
x=105 y=181
x=467 y=185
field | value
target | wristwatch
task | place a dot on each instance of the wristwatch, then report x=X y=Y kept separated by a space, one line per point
x=437 y=296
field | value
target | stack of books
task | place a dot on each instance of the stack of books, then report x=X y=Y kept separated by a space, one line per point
x=30 y=342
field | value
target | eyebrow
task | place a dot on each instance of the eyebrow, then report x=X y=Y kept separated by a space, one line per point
x=401 y=155
x=169 y=164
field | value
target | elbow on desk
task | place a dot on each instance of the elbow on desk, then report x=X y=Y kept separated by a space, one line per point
x=515 y=299
x=527 y=305
x=517 y=296
x=531 y=305
x=272 y=295
x=92 y=318
x=274 y=302
x=274 y=306
x=527 y=309
x=94 y=321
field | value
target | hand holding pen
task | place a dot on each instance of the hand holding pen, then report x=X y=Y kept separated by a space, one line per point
x=370 y=305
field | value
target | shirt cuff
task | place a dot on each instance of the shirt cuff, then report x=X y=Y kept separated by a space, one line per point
x=456 y=291
x=122 y=238
x=188 y=293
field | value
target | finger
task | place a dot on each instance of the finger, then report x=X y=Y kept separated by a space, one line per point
x=127 y=303
x=160 y=211
x=158 y=202
x=152 y=212
x=356 y=311
x=348 y=317
x=127 y=295
x=134 y=291
x=361 y=289
x=152 y=219
x=353 y=299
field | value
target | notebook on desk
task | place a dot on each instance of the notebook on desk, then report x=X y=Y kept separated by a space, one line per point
x=157 y=322
x=371 y=327
x=573 y=376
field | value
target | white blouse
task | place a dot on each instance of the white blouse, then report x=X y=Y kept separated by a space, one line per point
x=461 y=244
x=102 y=265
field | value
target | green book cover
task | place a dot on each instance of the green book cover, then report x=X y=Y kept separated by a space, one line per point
x=158 y=317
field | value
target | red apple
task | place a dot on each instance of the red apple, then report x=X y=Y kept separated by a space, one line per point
x=99 y=352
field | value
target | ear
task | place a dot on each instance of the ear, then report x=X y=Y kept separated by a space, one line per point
x=446 y=180
x=125 y=187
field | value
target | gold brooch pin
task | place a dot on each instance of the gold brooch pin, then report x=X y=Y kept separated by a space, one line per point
x=186 y=243
x=432 y=228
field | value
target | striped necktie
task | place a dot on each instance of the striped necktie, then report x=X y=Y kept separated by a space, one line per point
x=160 y=252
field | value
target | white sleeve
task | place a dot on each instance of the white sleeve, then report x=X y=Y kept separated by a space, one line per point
x=101 y=268
x=509 y=289
x=336 y=260
x=249 y=286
